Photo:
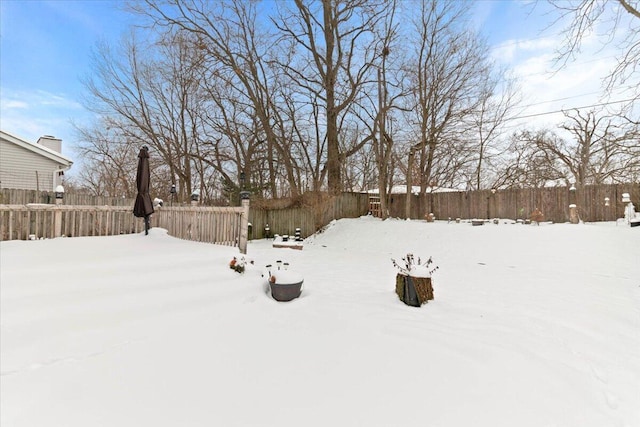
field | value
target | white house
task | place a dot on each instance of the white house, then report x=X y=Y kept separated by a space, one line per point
x=29 y=166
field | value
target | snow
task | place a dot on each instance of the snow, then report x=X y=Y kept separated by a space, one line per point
x=279 y=242
x=419 y=271
x=530 y=326
x=285 y=277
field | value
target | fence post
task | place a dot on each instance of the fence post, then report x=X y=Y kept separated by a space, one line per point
x=57 y=212
x=57 y=221
x=573 y=208
x=244 y=222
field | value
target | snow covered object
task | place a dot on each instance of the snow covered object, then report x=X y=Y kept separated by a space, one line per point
x=284 y=284
x=285 y=241
x=631 y=217
x=238 y=265
x=413 y=281
x=416 y=268
x=537 y=216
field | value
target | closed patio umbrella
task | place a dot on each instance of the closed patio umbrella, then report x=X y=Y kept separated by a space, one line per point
x=143 y=207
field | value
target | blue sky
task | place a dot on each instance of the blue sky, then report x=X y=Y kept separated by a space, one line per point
x=45 y=50
x=46 y=47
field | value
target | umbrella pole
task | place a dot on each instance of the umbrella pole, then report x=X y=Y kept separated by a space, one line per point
x=146 y=225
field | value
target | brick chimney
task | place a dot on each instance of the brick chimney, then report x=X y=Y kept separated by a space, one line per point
x=51 y=142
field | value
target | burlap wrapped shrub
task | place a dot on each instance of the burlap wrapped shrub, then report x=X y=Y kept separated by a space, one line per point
x=422 y=285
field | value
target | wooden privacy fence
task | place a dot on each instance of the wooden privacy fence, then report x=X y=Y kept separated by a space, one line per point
x=221 y=226
x=19 y=222
x=11 y=196
x=308 y=218
x=520 y=202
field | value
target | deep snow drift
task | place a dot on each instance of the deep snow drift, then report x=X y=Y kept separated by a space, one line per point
x=530 y=326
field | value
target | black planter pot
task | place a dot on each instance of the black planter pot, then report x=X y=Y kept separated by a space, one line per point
x=285 y=292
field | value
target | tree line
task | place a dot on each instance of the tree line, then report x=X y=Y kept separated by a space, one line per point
x=281 y=98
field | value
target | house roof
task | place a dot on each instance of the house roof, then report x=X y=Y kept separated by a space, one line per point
x=37 y=148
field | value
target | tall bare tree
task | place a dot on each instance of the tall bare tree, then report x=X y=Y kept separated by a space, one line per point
x=450 y=70
x=335 y=39
x=498 y=100
x=145 y=92
x=376 y=106
x=238 y=51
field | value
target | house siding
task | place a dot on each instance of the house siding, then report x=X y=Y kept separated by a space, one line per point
x=24 y=169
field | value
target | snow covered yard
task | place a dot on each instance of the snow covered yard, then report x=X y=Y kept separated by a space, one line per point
x=530 y=326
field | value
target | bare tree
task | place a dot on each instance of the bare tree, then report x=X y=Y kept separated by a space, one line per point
x=375 y=107
x=387 y=101
x=615 y=17
x=603 y=149
x=450 y=70
x=238 y=54
x=307 y=96
x=497 y=102
x=147 y=98
x=338 y=54
x=525 y=165
x=108 y=167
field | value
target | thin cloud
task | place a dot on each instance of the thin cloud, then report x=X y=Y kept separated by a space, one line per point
x=20 y=99
x=31 y=114
x=48 y=99
x=513 y=49
x=13 y=104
